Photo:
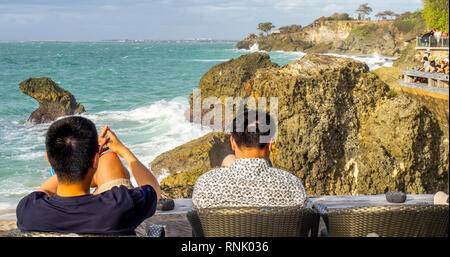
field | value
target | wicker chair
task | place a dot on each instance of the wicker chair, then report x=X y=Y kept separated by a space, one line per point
x=154 y=230
x=254 y=222
x=387 y=221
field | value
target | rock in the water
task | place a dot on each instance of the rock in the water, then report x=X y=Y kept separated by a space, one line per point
x=53 y=100
x=395 y=197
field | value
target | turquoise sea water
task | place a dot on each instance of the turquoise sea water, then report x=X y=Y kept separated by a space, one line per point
x=139 y=89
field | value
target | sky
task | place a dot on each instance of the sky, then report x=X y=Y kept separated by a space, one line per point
x=167 y=19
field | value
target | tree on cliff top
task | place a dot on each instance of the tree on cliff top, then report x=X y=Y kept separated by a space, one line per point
x=386 y=13
x=265 y=27
x=435 y=13
x=363 y=10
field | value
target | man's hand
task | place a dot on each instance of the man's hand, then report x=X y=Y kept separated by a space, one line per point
x=140 y=172
x=111 y=141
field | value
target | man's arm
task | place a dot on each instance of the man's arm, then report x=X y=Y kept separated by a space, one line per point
x=141 y=173
x=49 y=186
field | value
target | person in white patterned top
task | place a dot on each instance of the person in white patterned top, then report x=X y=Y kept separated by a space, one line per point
x=250 y=180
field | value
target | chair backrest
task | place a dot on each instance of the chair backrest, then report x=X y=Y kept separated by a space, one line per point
x=151 y=230
x=49 y=234
x=390 y=221
x=254 y=221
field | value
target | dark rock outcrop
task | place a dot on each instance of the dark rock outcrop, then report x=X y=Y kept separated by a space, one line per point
x=53 y=100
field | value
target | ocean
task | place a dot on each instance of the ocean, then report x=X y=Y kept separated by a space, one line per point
x=139 y=89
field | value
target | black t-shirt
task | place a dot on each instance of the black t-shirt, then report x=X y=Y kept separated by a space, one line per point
x=116 y=211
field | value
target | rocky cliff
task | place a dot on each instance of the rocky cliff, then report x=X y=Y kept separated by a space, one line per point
x=53 y=100
x=385 y=37
x=342 y=131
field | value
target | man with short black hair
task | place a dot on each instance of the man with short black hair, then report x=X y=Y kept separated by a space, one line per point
x=64 y=203
x=250 y=180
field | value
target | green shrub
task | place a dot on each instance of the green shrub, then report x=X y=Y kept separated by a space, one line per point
x=410 y=22
x=365 y=31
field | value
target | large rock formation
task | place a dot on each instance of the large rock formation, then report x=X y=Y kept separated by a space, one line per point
x=53 y=100
x=399 y=150
x=227 y=79
x=342 y=131
x=328 y=107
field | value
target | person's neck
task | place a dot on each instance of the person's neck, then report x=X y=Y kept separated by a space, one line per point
x=76 y=189
x=251 y=153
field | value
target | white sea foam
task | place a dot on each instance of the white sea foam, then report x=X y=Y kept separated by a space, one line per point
x=210 y=60
x=148 y=131
x=7 y=206
x=254 y=48
x=374 y=61
x=152 y=129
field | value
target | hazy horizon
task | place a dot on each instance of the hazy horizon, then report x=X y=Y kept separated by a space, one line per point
x=100 y=20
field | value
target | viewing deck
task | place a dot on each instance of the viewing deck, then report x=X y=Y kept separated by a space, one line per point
x=432 y=43
x=436 y=82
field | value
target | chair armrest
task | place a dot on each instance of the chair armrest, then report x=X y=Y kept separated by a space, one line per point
x=194 y=220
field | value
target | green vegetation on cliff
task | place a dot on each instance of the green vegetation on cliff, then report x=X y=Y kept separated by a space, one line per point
x=435 y=13
x=366 y=31
x=410 y=23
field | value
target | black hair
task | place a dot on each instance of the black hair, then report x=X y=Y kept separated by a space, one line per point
x=71 y=145
x=253 y=128
x=425 y=58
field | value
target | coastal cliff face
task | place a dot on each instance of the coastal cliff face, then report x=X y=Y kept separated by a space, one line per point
x=353 y=37
x=341 y=131
x=53 y=100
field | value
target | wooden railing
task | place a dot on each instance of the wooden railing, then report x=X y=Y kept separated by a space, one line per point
x=434 y=81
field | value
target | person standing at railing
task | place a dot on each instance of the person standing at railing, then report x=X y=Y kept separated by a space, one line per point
x=437 y=34
x=444 y=34
x=426 y=37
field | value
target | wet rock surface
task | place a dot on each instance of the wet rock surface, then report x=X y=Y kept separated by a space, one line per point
x=53 y=100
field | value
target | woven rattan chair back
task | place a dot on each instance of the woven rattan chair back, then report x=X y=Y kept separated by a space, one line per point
x=254 y=222
x=390 y=221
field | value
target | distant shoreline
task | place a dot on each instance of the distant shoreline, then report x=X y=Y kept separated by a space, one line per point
x=120 y=41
